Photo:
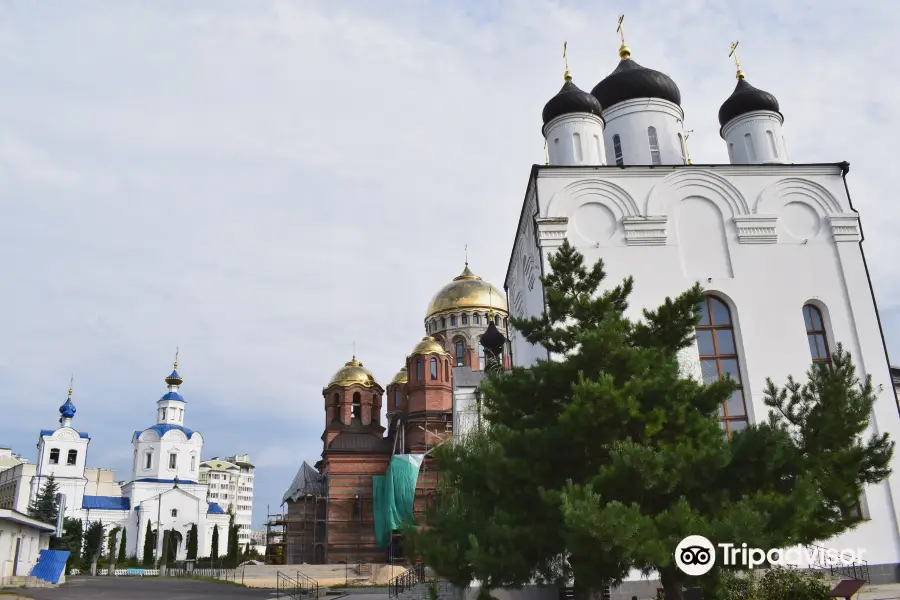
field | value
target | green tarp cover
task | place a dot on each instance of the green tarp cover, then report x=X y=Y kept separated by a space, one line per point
x=393 y=495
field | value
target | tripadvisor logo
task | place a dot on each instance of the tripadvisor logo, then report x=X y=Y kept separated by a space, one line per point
x=695 y=555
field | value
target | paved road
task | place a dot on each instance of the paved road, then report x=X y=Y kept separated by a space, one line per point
x=150 y=588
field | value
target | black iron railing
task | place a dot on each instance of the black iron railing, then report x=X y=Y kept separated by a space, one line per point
x=848 y=567
x=300 y=587
x=406 y=580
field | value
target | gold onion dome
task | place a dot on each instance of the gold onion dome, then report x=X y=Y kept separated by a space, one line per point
x=428 y=345
x=401 y=376
x=467 y=292
x=353 y=373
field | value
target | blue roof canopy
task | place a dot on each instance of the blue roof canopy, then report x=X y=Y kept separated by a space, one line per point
x=106 y=503
x=215 y=509
x=162 y=429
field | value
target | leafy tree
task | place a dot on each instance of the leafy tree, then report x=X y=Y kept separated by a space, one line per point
x=602 y=460
x=192 y=543
x=45 y=507
x=149 y=546
x=112 y=538
x=93 y=544
x=72 y=540
x=215 y=543
x=123 y=553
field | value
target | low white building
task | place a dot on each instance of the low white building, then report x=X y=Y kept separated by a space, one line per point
x=230 y=482
x=164 y=489
x=21 y=540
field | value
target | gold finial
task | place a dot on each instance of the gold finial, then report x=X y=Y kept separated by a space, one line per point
x=687 y=152
x=466 y=250
x=624 y=52
x=354 y=350
x=567 y=76
x=737 y=63
x=71 y=381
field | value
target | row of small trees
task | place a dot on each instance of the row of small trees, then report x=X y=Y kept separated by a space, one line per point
x=599 y=462
x=86 y=544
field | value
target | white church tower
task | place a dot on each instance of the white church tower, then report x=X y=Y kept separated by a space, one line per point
x=776 y=246
x=62 y=453
x=642 y=113
x=751 y=124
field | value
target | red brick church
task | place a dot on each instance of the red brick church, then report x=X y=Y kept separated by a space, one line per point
x=329 y=515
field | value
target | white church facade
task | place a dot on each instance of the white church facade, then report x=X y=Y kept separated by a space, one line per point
x=775 y=245
x=164 y=489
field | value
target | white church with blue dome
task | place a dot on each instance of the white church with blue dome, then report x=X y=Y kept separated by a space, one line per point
x=163 y=488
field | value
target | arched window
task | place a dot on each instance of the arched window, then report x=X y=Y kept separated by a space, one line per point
x=433 y=369
x=446 y=370
x=772 y=144
x=480 y=356
x=396 y=398
x=719 y=358
x=576 y=147
x=751 y=151
x=443 y=322
x=336 y=400
x=476 y=318
x=617 y=148
x=419 y=370
x=731 y=153
x=465 y=319
x=815 y=334
x=654 y=146
x=148 y=460
x=459 y=354
x=505 y=323
x=357 y=405
x=683 y=148
x=452 y=320
x=72 y=457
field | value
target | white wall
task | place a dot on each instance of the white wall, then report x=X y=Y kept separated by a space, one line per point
x=767 y=240
x=755 y=138
x=173 y=441
x=631 y=119
x=33 y=540
x=575 y=139
x=69 y=478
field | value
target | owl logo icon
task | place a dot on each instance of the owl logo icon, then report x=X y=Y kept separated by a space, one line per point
x=695 y=555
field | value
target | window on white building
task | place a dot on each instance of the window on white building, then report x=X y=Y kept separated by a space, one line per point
x=148 y=460
x=654 y=146
x=617 y=148
x=173 y=460
x=174 y=512
x=719 y=359
x=54 y=456
x=193 y=463
x=72 y=457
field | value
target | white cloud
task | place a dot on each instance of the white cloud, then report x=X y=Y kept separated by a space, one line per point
x=264 y=184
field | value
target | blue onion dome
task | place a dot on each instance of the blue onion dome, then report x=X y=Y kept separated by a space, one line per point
x=67 y=410
x=630 y=80
x=174 y=378
x=744 y=99
x=570 y=99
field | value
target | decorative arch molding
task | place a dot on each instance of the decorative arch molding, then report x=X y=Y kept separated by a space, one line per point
x=612 y=196
x=64 y=435
x=149 y=436
x=773 y=198
x=694 y=182
x=174 y=435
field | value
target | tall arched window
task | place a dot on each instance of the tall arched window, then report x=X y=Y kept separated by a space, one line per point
x=476 y=318
x=452 y=320
x=465 y=319
x=751 y=151
x=617 y=148
x=815 y=334
x=459 y=354
x=336 y=400
x=771 y=137
x=446 y=370
x=357 y=405
x=719 y=358
x=731 y=153
x=683 y=148
x=654 y=146
x=433 y=369
x=419 y=370
x=443 y=322
x=480 y=356
x=396 y=398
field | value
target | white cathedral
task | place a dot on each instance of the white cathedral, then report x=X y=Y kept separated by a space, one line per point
x=776 y=245
x=163 y=489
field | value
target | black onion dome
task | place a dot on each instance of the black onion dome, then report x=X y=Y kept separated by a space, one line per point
x=630 y=80
x=746 y=98
x=570 y=99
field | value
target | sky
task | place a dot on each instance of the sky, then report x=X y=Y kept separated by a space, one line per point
x=265 y=184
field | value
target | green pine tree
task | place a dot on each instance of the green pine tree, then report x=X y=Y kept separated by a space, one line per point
x=215 y=543
x=123 y=553
x=613 y=453
x=72 y=540
x=192 y=543
x=149 y=546
x=233 y=543
x=45 y=507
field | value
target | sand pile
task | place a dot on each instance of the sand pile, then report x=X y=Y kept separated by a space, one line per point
x=382 y=574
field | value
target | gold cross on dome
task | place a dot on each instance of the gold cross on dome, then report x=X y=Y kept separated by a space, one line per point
x=737 y=63
x=620 y=30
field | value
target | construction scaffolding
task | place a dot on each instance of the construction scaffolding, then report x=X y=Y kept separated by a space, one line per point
x=274 y=538
x=305 y=524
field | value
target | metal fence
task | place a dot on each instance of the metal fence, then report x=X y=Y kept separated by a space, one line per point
x=406 y=580
x=299 y=587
